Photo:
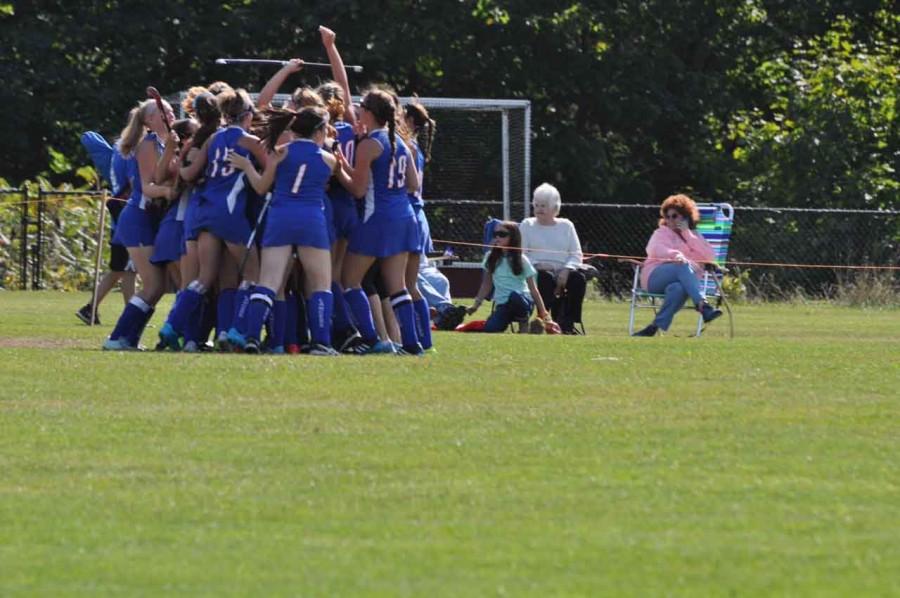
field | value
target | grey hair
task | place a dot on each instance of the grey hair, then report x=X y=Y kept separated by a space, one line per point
x=550 y=194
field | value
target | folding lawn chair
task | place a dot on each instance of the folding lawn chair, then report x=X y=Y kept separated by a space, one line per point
x=715 y=224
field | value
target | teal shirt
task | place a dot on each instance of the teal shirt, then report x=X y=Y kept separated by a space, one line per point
x=505 y=282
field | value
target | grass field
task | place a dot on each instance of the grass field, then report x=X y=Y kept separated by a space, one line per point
x=503 y=465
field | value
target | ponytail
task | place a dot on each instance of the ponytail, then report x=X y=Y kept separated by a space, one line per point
x=392 y=134
x=278 y=122
x=133 y=132
x=430 y=127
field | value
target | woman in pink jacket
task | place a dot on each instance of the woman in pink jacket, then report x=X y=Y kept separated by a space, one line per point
x=676 y=255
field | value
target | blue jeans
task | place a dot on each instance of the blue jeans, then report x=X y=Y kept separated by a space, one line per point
x=517 y=307
x=677 y=282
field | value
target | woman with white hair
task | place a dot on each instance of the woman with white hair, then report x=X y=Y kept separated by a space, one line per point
x=552 y=245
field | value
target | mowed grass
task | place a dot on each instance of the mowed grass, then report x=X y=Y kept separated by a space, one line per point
x=503 y=465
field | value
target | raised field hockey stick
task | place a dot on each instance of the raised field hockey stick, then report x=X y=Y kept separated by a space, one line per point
x=153 y=94
x=252 y=239
x=234 y=61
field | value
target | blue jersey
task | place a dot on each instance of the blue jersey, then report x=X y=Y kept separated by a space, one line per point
x=118 y=173
x=386 y=194
x=134 y=174
x=416 y=198
x=302 y=174
x=346 y=139
x=225 y=185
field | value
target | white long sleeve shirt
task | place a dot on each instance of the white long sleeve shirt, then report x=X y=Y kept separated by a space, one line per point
x=556 y=245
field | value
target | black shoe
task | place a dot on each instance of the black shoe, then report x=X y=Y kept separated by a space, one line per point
x=84 y=314
x=650 y=330
x=451 y=317
x=709 y=313
x=252 y=346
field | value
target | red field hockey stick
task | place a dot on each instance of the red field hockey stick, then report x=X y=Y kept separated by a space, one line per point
x=153 y=94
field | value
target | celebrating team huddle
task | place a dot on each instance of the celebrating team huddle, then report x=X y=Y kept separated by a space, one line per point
x=255 y=212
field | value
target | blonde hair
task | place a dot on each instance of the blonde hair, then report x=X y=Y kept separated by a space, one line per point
x=133 y=132
x=550 y=194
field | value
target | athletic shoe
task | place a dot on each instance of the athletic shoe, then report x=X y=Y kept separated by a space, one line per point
x=84 y=314
x=117 y=345
x=450 y=318
x=709 y=312
x=222 y=344
x=292 y=349
x=431 y=350
x=319 y=349
x=251 y=346
x=168 y=338
x=382 y=347
x=650 y=330
x=415 y=351
x=279 y=350
x=191 y=347
x=349 y=342
x=237 y=340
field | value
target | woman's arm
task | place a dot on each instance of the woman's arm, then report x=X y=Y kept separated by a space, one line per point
x=189 y=173
x=274 y=84
x=574 y=256
x=163 y=171
x=661 y=246
x=338 y=71
x=536 y=296
x=261 y=183
x=358 y=177
x=485 y=288
x=699 y=249
x=147 y=159
x=412 y=176
x=252 y=144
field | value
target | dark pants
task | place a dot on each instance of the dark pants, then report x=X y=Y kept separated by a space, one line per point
x=517 y=308
x=566 y=309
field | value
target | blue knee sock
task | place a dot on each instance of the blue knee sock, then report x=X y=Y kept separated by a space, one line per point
x=423 y=322
x=127 y=321
x=279 y=320
x=290 y=320
x=225 y=310
x=261 y=302
x=362 y=314
x=241 y=303
x=141 y=317
x=319 y=307
x=341 y=320
x=195 y=324
x=186 y=308
x=406 y=318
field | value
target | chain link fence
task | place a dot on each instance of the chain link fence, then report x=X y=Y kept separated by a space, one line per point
x=48 y=239
x=768 y=235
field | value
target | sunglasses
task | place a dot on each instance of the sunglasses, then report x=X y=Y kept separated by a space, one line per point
x=501 y=234
x=673 y=216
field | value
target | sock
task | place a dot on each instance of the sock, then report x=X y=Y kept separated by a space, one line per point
x=141 y=317
x=225 y=310
x=341 y=312
x=186 y=308
x=319 y=307
x=423 y=322
x=261 y=302
x=210 y=313
x=126 y=321
x=241 y=303
x=362 y=314
x=290 y=320
x=195 y=324
x=406 y=318
x=279 y=320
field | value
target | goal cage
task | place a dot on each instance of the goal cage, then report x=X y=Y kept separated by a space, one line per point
x=480 y=164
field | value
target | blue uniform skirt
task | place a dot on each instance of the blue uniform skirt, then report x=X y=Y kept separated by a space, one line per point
x=295 y=223
x=215 y=218
x=346 y=216
x=136 y=227
x=425 y=244
x=380 y=236
x=190 y=217
x=169 y=244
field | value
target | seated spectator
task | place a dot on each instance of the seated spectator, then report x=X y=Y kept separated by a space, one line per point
x=552 y=245
x=511 y=276
x=435 y=288
x=676 y=255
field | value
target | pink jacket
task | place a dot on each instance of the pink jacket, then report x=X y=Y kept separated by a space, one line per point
x=666 y=244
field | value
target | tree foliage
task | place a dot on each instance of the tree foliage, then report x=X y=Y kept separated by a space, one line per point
x=763 y=101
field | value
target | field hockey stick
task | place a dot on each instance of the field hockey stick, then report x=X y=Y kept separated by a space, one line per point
x=153 y=94
x=263 y=61
x=252 y=239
